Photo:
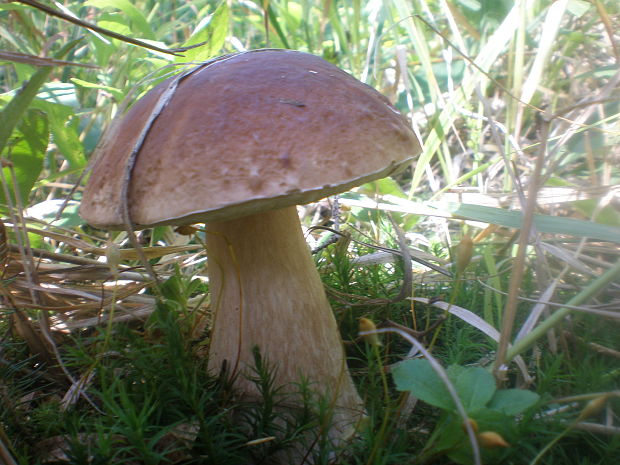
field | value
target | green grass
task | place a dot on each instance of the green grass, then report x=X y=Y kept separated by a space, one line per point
x=150 y=379
x=490 y=86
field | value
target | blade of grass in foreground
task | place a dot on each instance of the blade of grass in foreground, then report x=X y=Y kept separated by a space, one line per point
x=492 y=215
x=590 y=291
x=543 y=223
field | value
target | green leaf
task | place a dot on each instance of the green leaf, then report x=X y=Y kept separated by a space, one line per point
x=138 y=21
x=385 y=186
x=474 y=385
x=493 y=420
x=66 y=137
x=15 y=109
x=118 y=94
x=64 y=128
x=26 y=152
x=12 y=6
x=513 y=401
x=418 y=377
x=62 y=93
x=212 y=30
x=578 y=7
x=448 y=434
x=48 y=210
x=114 y=22
x=488 y=420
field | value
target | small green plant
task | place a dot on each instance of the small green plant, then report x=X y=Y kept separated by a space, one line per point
x=491 y=412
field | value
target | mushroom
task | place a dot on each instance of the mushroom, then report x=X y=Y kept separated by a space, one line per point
x=237 y=143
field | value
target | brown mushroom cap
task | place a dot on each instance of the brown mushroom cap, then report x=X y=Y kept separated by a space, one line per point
x=249 y=132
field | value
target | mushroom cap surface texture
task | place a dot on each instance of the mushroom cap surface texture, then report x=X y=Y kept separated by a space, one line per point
x=240 y=134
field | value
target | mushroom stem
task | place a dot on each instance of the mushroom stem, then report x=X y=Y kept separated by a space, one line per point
x=266 y=292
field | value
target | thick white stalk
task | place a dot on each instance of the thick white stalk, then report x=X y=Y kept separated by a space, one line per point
x=266 y=292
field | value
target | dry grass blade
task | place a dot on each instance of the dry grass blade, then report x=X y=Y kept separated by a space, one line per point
x=93 y=27
x=72 y=290
x=598 y=428
x=64 y=305
x=73 y=393
x=610 y=28
x=125 y=254
x=5 y=456
x=4 y=250
x=546 y=43
x=537 y=311
x=592 y=289
x=613 y=305
x=34 y=60
x=547 y=196
x=478 y=323
x=593 y=345
x=27 y=330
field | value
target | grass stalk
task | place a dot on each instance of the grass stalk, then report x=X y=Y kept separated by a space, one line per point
x=518 y=269
x=587 y=293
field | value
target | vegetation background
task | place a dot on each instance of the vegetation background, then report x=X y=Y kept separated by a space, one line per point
x=516 y=197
